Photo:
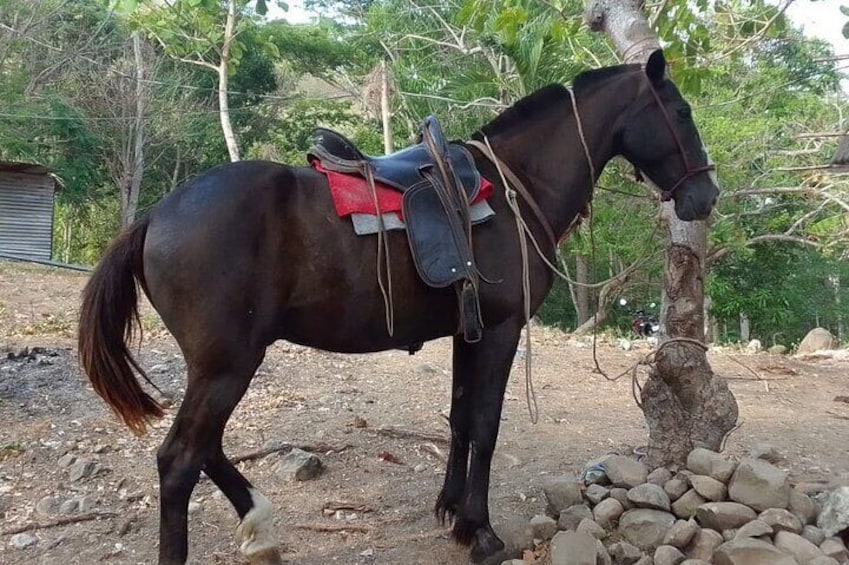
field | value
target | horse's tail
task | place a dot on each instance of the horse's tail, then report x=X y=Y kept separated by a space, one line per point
x=108 y=316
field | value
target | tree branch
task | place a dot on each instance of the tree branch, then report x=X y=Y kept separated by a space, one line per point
x=718 y=253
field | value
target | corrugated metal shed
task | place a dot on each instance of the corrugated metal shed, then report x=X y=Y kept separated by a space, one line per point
x=26 y=210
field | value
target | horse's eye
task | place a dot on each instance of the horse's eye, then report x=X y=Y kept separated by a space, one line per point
x=684 y=112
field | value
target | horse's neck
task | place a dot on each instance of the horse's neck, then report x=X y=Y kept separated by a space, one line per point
x=552 y=156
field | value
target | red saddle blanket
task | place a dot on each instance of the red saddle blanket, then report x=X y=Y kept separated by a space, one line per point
x=351 y=194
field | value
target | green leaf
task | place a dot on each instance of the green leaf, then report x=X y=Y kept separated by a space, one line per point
x=844 y=10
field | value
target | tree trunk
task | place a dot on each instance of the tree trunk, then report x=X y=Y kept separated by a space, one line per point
x=136 y=171
x=223 y=75
x=684 y=404
x=745 y=328
x=385 y=113
x=582 y=293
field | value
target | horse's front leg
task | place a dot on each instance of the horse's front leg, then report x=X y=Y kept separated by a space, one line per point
x=488 y=364
x=458 y=457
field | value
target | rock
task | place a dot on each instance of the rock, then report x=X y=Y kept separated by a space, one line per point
x=194 y=507
x=750 y=551
x=659 y=476
x=649 y=496
x=834 y=516
x=803 y=507
x=668 y=555
x=817 y=339
x=754 y=529
x=623 y=553
x=675 y=488
x=625 y=472
x=813 y=535
x=517 y=535
x=596 y=493
x=70 y=507
x=66 y=460
x=797 y=546
x=824 y=560
x=778 y=349
x=644 y=527
x=543 y=527
x=22 y=541
x=754 y=346
x=729 y=535
x=709 y=488
x=706 y=462
x=572 y=516
x=704 y=543
x=607 y=512
x=80 y=470
x=644 y=560
x=766 y=452
x=573 y=548
x=299 y=465
x=694 y=562
x=48 y=505
x=561 y=494
x=592 y=528
x=621 y=494
x=602 y=556
x=781 y=520
x=835 y=548
x=685 y=507
x=681 y=533
x=760 y=485
x=514 y=562
x=724 y=515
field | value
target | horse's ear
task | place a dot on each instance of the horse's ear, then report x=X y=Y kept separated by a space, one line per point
x=656 y=67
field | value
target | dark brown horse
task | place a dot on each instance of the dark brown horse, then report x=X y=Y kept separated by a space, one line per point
x=253 y=252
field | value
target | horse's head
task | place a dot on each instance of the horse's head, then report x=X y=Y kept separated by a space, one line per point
x=661 y=140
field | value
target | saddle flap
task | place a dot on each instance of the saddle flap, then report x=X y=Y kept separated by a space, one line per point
x=441 y=256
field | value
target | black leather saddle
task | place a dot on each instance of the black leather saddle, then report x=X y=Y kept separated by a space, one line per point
x=439 y=181
x=402 y=170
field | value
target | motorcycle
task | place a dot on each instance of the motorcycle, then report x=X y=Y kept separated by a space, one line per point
x=644 y=324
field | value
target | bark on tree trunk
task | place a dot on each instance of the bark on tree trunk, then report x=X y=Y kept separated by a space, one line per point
x=223 y=70
x=684 y=403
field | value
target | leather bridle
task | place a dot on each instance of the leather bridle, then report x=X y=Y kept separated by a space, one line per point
x=689 y=172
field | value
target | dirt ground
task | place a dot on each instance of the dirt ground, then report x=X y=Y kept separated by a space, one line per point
x=47 y=410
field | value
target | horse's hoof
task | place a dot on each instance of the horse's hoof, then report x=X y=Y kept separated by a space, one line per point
x=485 y=546
x=266 y=557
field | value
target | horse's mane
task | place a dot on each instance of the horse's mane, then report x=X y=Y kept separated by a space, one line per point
x=548 y=97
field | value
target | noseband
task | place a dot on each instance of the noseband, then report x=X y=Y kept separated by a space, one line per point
x=666 y=195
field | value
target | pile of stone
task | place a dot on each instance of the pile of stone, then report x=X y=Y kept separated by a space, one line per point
x=713 y=511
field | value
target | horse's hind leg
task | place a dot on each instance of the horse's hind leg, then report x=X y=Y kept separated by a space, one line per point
x=194 y=443
x=254 y=532
x=488 y=363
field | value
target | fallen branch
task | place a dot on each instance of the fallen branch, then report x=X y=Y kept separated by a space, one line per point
x=58 y=522
x=286 y=448
x=332 y=528
x=400 y=433
x=435 y=451
x=334 y=505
